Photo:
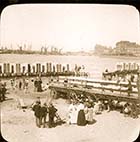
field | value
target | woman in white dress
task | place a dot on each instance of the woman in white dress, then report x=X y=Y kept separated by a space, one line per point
x=73 y=112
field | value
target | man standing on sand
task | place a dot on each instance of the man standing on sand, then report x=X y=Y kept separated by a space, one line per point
x=37 y=109
x=43 y=114
x=52 y=113
x=20 y=85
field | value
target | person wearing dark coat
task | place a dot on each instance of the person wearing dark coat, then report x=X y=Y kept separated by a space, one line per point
x=39 y=86
x=35 y=85
x=43 y=114
x=37 y=109
x=20 y=85
x=52 y=113
x=2 y=92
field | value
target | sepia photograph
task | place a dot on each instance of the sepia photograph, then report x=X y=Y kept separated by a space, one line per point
x=70 y=73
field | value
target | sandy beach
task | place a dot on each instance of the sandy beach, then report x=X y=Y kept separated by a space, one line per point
x=18 y=125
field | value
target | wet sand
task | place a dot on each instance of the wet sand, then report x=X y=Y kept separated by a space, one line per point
x=19 y=126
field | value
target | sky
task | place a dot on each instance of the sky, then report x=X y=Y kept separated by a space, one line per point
x=72 y=27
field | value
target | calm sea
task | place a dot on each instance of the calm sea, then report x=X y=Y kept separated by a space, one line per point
x=95 y=65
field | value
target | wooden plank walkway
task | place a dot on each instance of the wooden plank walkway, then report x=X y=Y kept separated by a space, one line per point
x=98 y=88
x=95 y=93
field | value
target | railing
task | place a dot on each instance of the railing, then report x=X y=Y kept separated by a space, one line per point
x=103 y=85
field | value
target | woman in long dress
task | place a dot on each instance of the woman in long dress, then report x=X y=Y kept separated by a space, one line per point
x=89 y=114
x=81 y=120
x=72 y=113
x=97 y=107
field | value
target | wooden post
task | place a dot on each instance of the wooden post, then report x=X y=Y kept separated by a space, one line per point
x=8 y=68
x=18 y=70
x=130 y=66
x=68 y=68
x=29 y=69
x=12 y=68
x=4 y=68
x=60 y=68
x=23 y=69
x=0 y=69
x=38 y=68
x=49 y=67
x=53 y=68
x=63 y=69
x=124 y=66
x=33 y=67
x=43 y=69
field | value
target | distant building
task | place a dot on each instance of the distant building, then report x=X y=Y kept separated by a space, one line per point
x=100 y=49
x=127 y=48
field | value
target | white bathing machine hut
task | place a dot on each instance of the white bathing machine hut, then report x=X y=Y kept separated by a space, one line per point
x=68 y=68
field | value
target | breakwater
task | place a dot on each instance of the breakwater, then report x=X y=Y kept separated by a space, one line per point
x=34 y=69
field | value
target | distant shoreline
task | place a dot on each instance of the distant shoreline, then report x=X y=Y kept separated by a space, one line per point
x=102 y=56
x=120 y=57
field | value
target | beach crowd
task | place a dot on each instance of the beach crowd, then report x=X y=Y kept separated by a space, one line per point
x=81 y=110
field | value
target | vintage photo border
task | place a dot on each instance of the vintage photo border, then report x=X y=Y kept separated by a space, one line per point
x=5 y=3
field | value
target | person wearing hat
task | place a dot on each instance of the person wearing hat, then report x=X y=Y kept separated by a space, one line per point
x=127 y=109
x=37 y=109
x=43 y=114
x=72 y=112
x=52 y=113
x=81 y=119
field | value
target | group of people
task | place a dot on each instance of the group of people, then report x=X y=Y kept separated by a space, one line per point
x=80 y=70
x=23 y=84
x=82 y=111
x=80 y=114
x=20 y=84
x=41 y=111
